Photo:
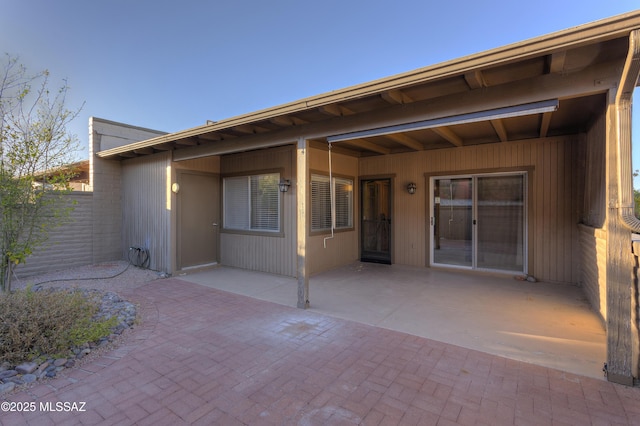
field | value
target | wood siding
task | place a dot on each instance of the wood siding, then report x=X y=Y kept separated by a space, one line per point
x=342 y=249
x=146 y=220
x=593 y=235
x=553 y=218
x=69 y=245
x=259 y=252
x=204 y=164
x=593 y=172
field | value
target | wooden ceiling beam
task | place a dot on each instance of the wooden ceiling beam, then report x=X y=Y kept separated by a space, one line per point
x=396 y=97
x=407 y=141
x=475 y=79
x=361 y=143
x=164 y=146
x=498 y=126
x=217 y=136
x=250 y=129
x=144 y=151
x=336 y=110
x=449 y=135
x=287 y=120
x=557 y=61
x=211 y=137
x=544 y=126
x=187 y=142
x=129 y=154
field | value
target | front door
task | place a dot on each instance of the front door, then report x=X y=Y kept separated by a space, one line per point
x=198 y=219
x=376 y=221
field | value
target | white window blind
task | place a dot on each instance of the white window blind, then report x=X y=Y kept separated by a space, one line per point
x=344 y=202
x=321 y=203
x=252 y=202
x=265 y=202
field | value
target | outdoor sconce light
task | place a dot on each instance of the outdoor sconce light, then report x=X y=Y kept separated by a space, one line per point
x=411 y=188
x=284 y=185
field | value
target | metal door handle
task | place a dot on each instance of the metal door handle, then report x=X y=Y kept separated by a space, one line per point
x=215 y=224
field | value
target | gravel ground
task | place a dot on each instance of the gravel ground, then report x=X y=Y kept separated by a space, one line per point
x=116 y=276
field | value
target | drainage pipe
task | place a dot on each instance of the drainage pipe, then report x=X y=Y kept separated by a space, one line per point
x=331 y=201
x=628 y=82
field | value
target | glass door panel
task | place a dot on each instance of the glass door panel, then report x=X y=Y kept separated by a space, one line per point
x=453 y=216
x=500 y=222
x=376 y=221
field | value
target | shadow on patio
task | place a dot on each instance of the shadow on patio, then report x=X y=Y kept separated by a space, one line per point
x=545 y=324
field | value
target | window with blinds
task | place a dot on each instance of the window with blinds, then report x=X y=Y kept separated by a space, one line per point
x=252 y=203
x=321 y=203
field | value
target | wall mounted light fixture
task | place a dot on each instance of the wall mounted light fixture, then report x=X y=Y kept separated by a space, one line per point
x=284 y=185
x=411 y=188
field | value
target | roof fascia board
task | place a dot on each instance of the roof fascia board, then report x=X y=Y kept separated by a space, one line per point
x=605 y=29
x=548 y=86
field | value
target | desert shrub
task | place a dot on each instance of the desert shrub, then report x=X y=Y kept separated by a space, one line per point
x=87 y=330
x=33 y=323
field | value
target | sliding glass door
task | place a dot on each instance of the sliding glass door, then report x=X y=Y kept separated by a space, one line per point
x=453 y=221
x=479 y=222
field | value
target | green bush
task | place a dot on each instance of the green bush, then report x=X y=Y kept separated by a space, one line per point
x=86 y=330
x=46 y=322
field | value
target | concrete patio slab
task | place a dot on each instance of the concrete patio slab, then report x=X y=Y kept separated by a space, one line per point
x=551 y=325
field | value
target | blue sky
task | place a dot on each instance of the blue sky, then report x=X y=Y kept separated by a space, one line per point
x=170 y=65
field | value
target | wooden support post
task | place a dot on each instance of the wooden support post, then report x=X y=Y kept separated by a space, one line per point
x=302 y=183
x=620 y=297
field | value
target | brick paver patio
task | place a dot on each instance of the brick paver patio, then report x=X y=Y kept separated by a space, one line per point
x=204 y=356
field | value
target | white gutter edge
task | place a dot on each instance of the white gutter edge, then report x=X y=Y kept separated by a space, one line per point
x=623 y=104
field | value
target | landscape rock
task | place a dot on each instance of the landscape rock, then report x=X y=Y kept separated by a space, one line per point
x=7 y=387
x=29 y=378
x=26 y=368
x=42 y=368
x=7 y=373
x=15 y=379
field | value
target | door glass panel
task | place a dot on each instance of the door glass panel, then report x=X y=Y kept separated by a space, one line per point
x=376 y=221
x=453 y=222
x=500 y=222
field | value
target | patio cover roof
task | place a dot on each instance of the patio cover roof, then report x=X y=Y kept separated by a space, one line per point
x=442 y=92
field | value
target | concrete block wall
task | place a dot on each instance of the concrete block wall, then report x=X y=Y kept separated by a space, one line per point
x=593 y=245
x=69 y=245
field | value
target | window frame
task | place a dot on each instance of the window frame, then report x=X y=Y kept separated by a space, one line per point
x=252 y=231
